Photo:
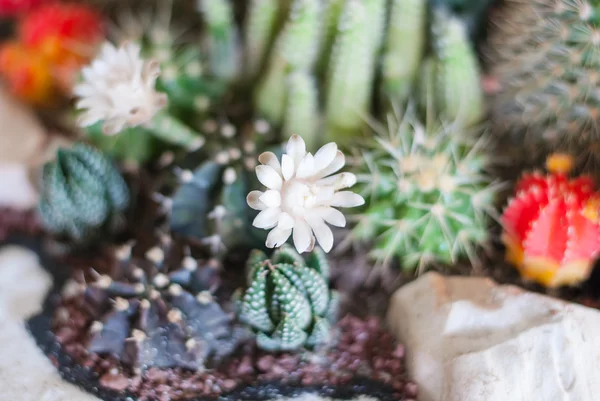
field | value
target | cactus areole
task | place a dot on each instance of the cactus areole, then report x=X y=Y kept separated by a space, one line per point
x=551 y=228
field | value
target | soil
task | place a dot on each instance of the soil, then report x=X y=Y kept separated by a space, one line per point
x=364 y=349
x=18 y=222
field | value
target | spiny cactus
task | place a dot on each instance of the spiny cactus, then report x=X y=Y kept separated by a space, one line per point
x=83 y=196
x=288 y=301
x=429 y=199
x=223 y=38
x=544 y=56
x=405 y=46
x=352 y=68
x=157 y=311
x=278 y=96
x=457 y=72
x=210 y=205
x=341 y=53
x=259 y=31
x=551 y=226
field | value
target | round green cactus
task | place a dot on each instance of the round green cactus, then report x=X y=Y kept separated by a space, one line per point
x=544 y=57
x=288 y=301
x=210 y=204
x=428 y=197
x=83 y=196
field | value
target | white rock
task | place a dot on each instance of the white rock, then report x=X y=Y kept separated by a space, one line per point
x=26 y=374
x=24 y=147
x=22 y=135
x=17 y=190
x=469 y=339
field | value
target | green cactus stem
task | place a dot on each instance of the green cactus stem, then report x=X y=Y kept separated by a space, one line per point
x=223 y=38
x=259 y=31
x=352 y=69
x=405 y=47
x=295 y=50
x=302 y=113
x=458 y=74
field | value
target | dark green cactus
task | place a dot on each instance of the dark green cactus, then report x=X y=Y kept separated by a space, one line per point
x=83 y=196
x=288 y=301
x=210 y=205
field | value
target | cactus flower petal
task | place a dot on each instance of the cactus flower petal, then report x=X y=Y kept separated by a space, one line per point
x=301 y=196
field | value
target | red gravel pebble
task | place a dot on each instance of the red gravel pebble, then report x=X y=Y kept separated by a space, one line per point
x=364 y=349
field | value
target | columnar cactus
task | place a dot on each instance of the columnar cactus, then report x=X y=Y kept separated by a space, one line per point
x=295 y=51
x=158 y=311
x=551 y=226
x=83 y=196
x=544 y=57
x=352 y=68
x=404 y=47
x=260 y=29
x=288 y=302
x=429 y=199
x=457 y=72
x=223 y=38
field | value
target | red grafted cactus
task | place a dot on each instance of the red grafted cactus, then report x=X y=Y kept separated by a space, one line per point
x=13 y=8
x=65 y=34
x=551 y=227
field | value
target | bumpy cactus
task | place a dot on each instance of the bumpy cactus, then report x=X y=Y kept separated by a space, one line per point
x=288 y=301
x=543 y=54
x=429 y=199
x=551 y=226
x=158 y=311
x=210 y=205
x=83 y=196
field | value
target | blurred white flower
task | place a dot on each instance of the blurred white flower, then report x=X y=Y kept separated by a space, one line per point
x=302 y=194
x=119 y=89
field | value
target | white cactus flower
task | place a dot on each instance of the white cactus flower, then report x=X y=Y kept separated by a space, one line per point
x=302 y=195
x=119 y=89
